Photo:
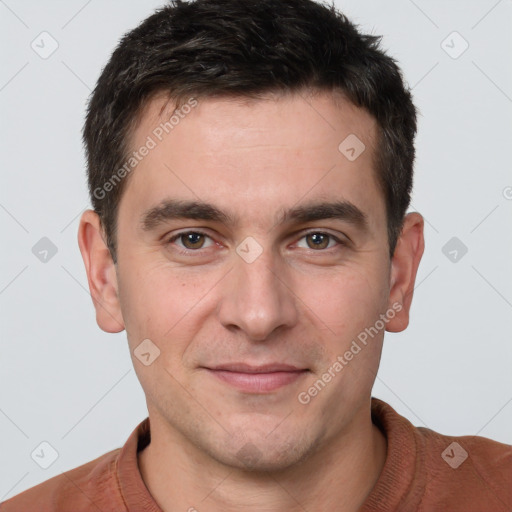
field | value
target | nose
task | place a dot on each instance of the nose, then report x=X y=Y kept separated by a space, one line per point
x=257 y=299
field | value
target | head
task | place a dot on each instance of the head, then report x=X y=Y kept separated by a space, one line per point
x=250 y=168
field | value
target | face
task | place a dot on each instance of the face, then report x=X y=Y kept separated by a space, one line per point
x=253 y=254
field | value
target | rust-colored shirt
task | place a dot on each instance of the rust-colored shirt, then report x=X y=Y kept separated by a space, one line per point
x=424 y=471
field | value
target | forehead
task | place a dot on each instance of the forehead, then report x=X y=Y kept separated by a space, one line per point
x=241 y=154
x=324 y=118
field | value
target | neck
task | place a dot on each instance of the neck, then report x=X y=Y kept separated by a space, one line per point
x=339 y=476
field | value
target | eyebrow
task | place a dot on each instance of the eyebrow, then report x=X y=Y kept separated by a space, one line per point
x=172 y=209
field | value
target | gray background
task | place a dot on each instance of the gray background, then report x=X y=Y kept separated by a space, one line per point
x=64 y=381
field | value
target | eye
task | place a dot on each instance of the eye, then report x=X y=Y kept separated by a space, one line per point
x=191 y=240
x=318 y=240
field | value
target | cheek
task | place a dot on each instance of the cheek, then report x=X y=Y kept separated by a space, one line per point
x=157 y=302
x=344 y=302
x=351 y=304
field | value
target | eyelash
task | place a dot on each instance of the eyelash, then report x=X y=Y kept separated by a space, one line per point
x=199 y=232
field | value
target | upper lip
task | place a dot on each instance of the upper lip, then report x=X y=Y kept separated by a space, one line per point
x=265 y=368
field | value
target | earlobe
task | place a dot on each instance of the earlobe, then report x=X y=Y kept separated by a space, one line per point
x=404 y=266
x=101 y=273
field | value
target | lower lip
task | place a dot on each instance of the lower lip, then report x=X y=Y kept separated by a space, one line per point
x=258 y=382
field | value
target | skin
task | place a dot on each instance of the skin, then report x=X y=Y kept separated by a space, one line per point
x=295 y=304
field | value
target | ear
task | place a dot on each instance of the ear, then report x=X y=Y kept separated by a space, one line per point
x=101 y=273
x=404 y=265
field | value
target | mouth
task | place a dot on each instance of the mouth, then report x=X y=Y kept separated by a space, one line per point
x=257 y=379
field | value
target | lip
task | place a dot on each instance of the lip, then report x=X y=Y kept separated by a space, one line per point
x=248 y=368
x=257 y=379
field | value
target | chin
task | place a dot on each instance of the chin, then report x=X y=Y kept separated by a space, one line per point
x=265 y=455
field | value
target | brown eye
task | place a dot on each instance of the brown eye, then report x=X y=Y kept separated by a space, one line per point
x=317 y=240
x=190 y=243
x=192 y=240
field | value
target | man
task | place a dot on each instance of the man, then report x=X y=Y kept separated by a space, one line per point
x=250 y=167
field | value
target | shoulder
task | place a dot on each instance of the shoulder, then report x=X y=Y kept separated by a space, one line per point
x=90 y=486
x=426 y=471
x=467 y=467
